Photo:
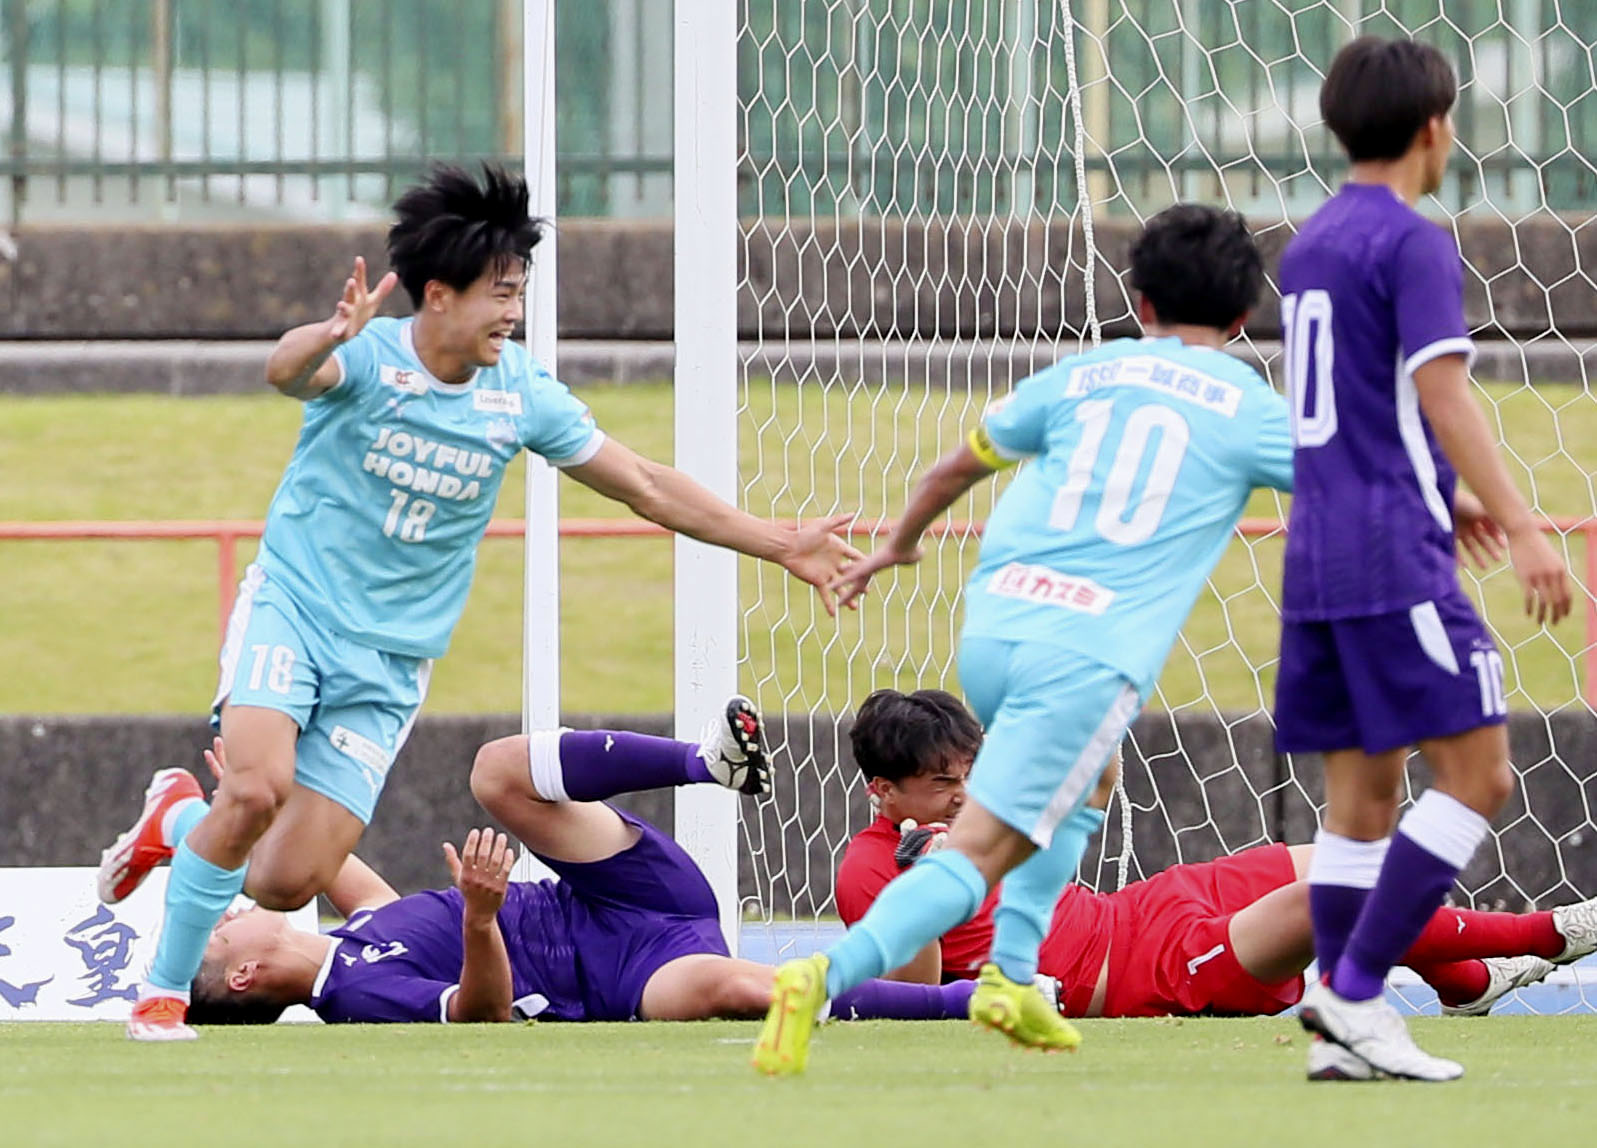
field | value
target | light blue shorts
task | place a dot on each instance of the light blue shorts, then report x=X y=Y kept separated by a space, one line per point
x=1053 y=718
x=354 y=705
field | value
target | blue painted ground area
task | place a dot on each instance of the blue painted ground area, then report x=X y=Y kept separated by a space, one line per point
x=1567 y=990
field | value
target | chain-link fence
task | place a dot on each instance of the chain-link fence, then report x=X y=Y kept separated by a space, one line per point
x=319 y=108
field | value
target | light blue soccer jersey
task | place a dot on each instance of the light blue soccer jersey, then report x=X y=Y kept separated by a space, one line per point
x=1144 y=454
x=375 y=525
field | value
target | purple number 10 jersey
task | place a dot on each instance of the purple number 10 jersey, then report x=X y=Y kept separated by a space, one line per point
x=1370 y=291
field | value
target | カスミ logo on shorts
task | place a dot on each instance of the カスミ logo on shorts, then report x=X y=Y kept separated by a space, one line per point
x=1050 y=588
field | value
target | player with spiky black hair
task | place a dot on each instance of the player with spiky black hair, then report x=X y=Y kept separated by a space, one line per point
x=367 y=557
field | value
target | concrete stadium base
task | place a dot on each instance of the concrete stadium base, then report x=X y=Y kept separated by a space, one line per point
x=1198 y=786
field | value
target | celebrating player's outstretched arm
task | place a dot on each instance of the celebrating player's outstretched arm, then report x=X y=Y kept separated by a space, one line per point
x=938 y=489
x=300 y=365
x=813 y=552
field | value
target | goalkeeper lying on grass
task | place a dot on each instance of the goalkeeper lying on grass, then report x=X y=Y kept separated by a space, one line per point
x=630 y=931
x=1231 y=936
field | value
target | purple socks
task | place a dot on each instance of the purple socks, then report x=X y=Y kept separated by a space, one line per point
x=1435 y=840
x=1341 y=875
x=898 y=1000
x=592 y=765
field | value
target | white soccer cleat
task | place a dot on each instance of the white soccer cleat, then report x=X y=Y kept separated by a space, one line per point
x=160 y=1019
x=1374 y=1032
x=1504 y=975
x=1329 y=1061
x=1577 y=924
x=733 y=749
x=1049 y=987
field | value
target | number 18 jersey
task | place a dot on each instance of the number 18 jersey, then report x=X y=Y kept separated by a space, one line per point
x=375 y=525
x=1371 y=291
x=1144 y=454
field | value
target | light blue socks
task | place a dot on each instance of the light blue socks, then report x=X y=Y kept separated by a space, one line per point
x=939 y=891
x=1030 y=891
x=197 y=894
x=188 y=815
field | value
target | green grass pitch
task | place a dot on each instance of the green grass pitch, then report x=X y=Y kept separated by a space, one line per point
x=1188 y=1084
x=131 y=627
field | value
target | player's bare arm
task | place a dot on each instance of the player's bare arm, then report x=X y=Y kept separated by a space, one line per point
x=1461 y=428
x=481 y=871
x=299 y=366
x=357 y=885
x=1479 y=536
x=938 y=489
x=814 y=552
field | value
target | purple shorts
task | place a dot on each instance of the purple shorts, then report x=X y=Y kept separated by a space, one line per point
x=633 y=913
x=1387 y=681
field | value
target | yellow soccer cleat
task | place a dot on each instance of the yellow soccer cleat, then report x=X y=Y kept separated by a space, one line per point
x=1020 y=1012
x=796 y=997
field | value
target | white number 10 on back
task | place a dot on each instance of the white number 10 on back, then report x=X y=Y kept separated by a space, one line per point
x=1309 y=352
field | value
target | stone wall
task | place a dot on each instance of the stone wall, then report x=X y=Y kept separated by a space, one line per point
x=74 y=782
x=874 y=279
x=193 y=310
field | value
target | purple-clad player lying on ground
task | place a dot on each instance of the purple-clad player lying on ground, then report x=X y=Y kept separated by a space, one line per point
x=630 y=931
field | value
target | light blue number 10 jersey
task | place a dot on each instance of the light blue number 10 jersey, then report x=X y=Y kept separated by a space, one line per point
x=1143 y=455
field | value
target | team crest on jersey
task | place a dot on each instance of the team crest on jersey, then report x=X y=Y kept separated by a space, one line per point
x=497 y=402
x=502 y=432
x=403 y=378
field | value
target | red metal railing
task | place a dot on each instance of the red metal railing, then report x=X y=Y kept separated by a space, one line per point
x=227 y=531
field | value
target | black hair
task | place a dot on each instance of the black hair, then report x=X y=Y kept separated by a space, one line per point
x=454 y=228
x=898 y=735
x=1197 y=265
x=212 y=1002
x=1380 y=93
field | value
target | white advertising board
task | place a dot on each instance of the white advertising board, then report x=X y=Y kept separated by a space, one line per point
x=65 y=956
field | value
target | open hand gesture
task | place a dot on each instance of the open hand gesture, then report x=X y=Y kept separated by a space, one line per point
x=358 y=305
x=481 y=870
x=852 y=581
x=818 y=552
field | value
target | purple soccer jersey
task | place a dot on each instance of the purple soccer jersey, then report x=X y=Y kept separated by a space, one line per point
x=1370 y=292
x=402 y=962
x=1380 y=648
x=582 y=948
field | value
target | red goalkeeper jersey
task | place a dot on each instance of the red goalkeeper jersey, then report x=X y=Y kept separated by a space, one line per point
x=1072 y=952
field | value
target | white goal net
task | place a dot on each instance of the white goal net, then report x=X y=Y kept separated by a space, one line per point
x=936 y=199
